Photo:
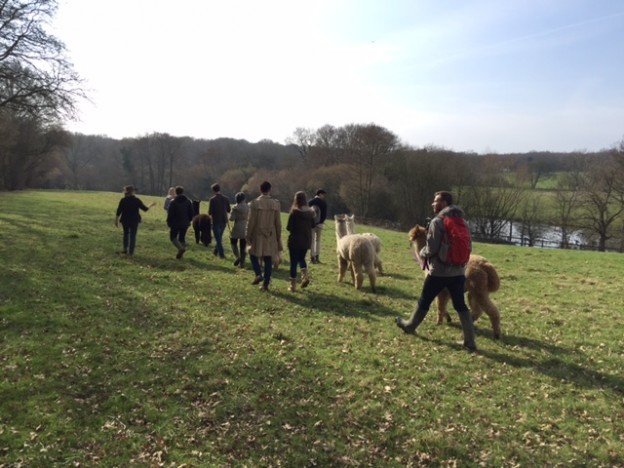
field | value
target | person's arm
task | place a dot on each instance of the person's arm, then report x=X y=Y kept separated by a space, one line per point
x=251 y=224
x=278 y=227
x=434 y=239
x=118 y=213
x=145 y=208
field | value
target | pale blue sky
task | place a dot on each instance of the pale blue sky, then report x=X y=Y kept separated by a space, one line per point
x=468 y=75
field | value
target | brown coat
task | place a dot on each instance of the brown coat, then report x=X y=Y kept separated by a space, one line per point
x=264 y=227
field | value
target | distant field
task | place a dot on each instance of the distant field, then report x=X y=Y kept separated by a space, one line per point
x=153 y=361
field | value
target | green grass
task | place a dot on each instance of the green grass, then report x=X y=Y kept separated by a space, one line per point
x=152 y=361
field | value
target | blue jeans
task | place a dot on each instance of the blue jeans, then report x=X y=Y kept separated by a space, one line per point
x=297 y=258
x=129 y=237
x=218 y=230
x=268 y=267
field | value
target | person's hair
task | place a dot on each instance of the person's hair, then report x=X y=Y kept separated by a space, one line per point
x=299 y=201
x=240 y=197
x=128 y=190
x=321 y=192
x=215 y=188
x=179 y=190
x=446 y=196
x=265 y=186
x=171 y=191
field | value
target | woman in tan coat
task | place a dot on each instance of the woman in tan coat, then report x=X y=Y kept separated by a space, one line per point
x=264 y=234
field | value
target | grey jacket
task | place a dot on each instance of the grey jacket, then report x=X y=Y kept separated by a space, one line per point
x=239 y=214
x=435 y=251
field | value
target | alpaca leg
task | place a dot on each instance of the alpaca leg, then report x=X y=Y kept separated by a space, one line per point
x=359 y=278
x=492 y=311
x=475 y=306
x=379 y=265
x=442 y=302
x=342 y=268
x=372 y=277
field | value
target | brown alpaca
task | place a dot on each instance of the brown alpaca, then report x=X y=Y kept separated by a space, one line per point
x=481 y=280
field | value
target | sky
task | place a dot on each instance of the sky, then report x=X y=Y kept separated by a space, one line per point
x=466 y=75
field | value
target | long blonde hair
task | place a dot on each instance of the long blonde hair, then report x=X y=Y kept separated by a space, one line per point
x=299 y=201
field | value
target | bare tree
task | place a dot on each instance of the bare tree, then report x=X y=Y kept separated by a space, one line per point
x=303 y=139
x=567 y=198
x=35 y=76
x=491 y=208
x=603 y=199
x=368 y=147
x=38 y=88
x=531 y=227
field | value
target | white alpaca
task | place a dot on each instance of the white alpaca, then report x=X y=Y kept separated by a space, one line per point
x=355 y=252
x=376 y=241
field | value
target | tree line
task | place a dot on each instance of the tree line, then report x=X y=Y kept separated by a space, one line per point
x=365 y=168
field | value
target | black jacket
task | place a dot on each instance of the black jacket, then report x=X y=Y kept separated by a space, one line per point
x=128 y=210
x=180 y=212
x=300 y=224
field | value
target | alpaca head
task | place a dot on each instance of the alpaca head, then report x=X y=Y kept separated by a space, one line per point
x=341 y=225
x=196 y=207
x=417 y=235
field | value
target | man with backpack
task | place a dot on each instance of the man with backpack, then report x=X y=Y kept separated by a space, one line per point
x=445 y=255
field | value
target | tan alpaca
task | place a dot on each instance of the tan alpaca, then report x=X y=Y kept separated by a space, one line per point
x=481 y=280
x=376 y=241
x=355 y=253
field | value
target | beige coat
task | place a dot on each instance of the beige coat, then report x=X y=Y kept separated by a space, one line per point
x=264 y=228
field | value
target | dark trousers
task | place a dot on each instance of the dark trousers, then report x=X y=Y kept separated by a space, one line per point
x=177 y=236
x=434 y=284
x=238 y=247
x=129 y=237
x=268 y=267
x=297 y=258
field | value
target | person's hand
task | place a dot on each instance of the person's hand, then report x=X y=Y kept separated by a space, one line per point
x=116 y=223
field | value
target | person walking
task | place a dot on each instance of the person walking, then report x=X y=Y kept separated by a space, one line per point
x=169 y=198
x=239 y=215
x=129 y=216
x=264 y=234
x=179 y=218
x=218 y=209
x=442 y=273
x=319 y=204
x=300 y=225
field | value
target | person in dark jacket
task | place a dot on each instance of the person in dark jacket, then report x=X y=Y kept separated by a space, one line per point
x=441 y=274
x=179 y=217
x=318 y=203
x=129 y=216
x=300 y=225
x=218 y=209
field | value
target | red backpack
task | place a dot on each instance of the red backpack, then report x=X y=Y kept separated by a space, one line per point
x=457 y=237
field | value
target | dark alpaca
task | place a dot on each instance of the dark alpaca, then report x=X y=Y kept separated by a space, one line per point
x=201 y=225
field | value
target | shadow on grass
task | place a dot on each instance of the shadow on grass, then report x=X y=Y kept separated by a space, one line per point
x=551 y=366
x=348 y=306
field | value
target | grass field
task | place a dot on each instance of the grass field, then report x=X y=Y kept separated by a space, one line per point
x=152 y=361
